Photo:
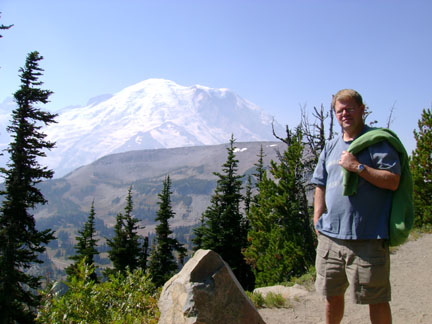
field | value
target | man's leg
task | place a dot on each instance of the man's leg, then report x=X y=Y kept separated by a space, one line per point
x=334 y=309
x=380 y=313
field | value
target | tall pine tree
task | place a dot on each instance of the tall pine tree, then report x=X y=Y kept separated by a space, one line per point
x=162 y=263
x=258 y=175
x=144 y=254
x=248 y=194
x=224 y=228
x=421 y=167
x=260 y=169
x=131 y=228
x=86 y=246
x=281 y=236
x=20 y=241
x=198 y=232
x=125 y=245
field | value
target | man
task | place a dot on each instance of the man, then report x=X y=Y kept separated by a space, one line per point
x=353 y=230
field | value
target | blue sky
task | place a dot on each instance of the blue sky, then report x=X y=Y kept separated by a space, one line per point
x=280 y=55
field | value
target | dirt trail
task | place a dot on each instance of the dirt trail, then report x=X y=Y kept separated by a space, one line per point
x=411 y=278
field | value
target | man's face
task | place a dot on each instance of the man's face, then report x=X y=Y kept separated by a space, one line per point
x=349 y=115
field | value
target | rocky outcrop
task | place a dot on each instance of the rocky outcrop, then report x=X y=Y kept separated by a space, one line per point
x=206 y=291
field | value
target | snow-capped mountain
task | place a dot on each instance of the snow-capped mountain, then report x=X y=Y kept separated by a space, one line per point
x=154 y=113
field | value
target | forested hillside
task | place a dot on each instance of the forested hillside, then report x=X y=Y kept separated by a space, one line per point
x=106 y=182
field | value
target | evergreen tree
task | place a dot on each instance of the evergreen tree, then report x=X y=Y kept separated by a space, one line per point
x=260 y=169
x=224 y=228
x=281 y=236
x=144 y=254
x=248 y=194
x=125 y=246
x=20 y=241
x=117 y=253
x=258 y=176
x=421 y=167
x=198 y=234
x=162 y=263
x=85 y=247
x=132 y=236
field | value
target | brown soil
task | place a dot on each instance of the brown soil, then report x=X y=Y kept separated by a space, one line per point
x=411 y=278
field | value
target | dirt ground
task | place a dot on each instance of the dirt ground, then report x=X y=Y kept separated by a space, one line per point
x=411 y=278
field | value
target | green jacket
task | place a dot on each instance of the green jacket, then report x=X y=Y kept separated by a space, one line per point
x=402 y=210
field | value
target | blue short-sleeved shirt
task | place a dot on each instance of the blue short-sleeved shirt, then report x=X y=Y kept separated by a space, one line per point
x=364 y=215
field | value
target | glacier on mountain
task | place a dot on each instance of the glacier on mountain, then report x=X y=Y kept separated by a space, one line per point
x=154 y=113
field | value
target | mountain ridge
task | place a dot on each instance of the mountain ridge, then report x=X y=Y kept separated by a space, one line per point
x=153 y=113
x=106 y=181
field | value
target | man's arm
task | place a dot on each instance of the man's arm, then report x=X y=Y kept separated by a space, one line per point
x=319 y=204
x=380 y=178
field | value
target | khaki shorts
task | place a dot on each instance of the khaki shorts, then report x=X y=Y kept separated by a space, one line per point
x=363 y=265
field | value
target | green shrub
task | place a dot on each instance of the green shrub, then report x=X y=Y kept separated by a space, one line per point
x=125 y=299
x=256 y=298
x=271 y=300
x=307 y=280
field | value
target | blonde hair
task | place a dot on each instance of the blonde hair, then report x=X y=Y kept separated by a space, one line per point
x=345 y=94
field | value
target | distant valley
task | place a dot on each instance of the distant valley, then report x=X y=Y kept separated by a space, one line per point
x=106 y=182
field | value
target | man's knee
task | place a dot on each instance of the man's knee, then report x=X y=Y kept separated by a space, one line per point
x=380 y=313
x=334 y=309
x=335 y=299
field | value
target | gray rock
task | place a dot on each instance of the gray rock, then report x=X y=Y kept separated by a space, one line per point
x=206 y=291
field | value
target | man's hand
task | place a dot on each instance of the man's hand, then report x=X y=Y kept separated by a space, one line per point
x=319 y=204
x=383 y=179
x=348 y=161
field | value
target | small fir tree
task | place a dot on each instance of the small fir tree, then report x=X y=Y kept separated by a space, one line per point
x=281 y=236
x=260 y=169
x=20 y=241
x=198 y=234
x=131 y=228
x=421 y=167
x=117 y=253
x=162 y=263
x=248 y=194
x=125 y=245
x=258 y=177
x=85 y=247
x=144 y=254
x=225 y=228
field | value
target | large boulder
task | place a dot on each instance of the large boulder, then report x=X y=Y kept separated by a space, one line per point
x=206 y=291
